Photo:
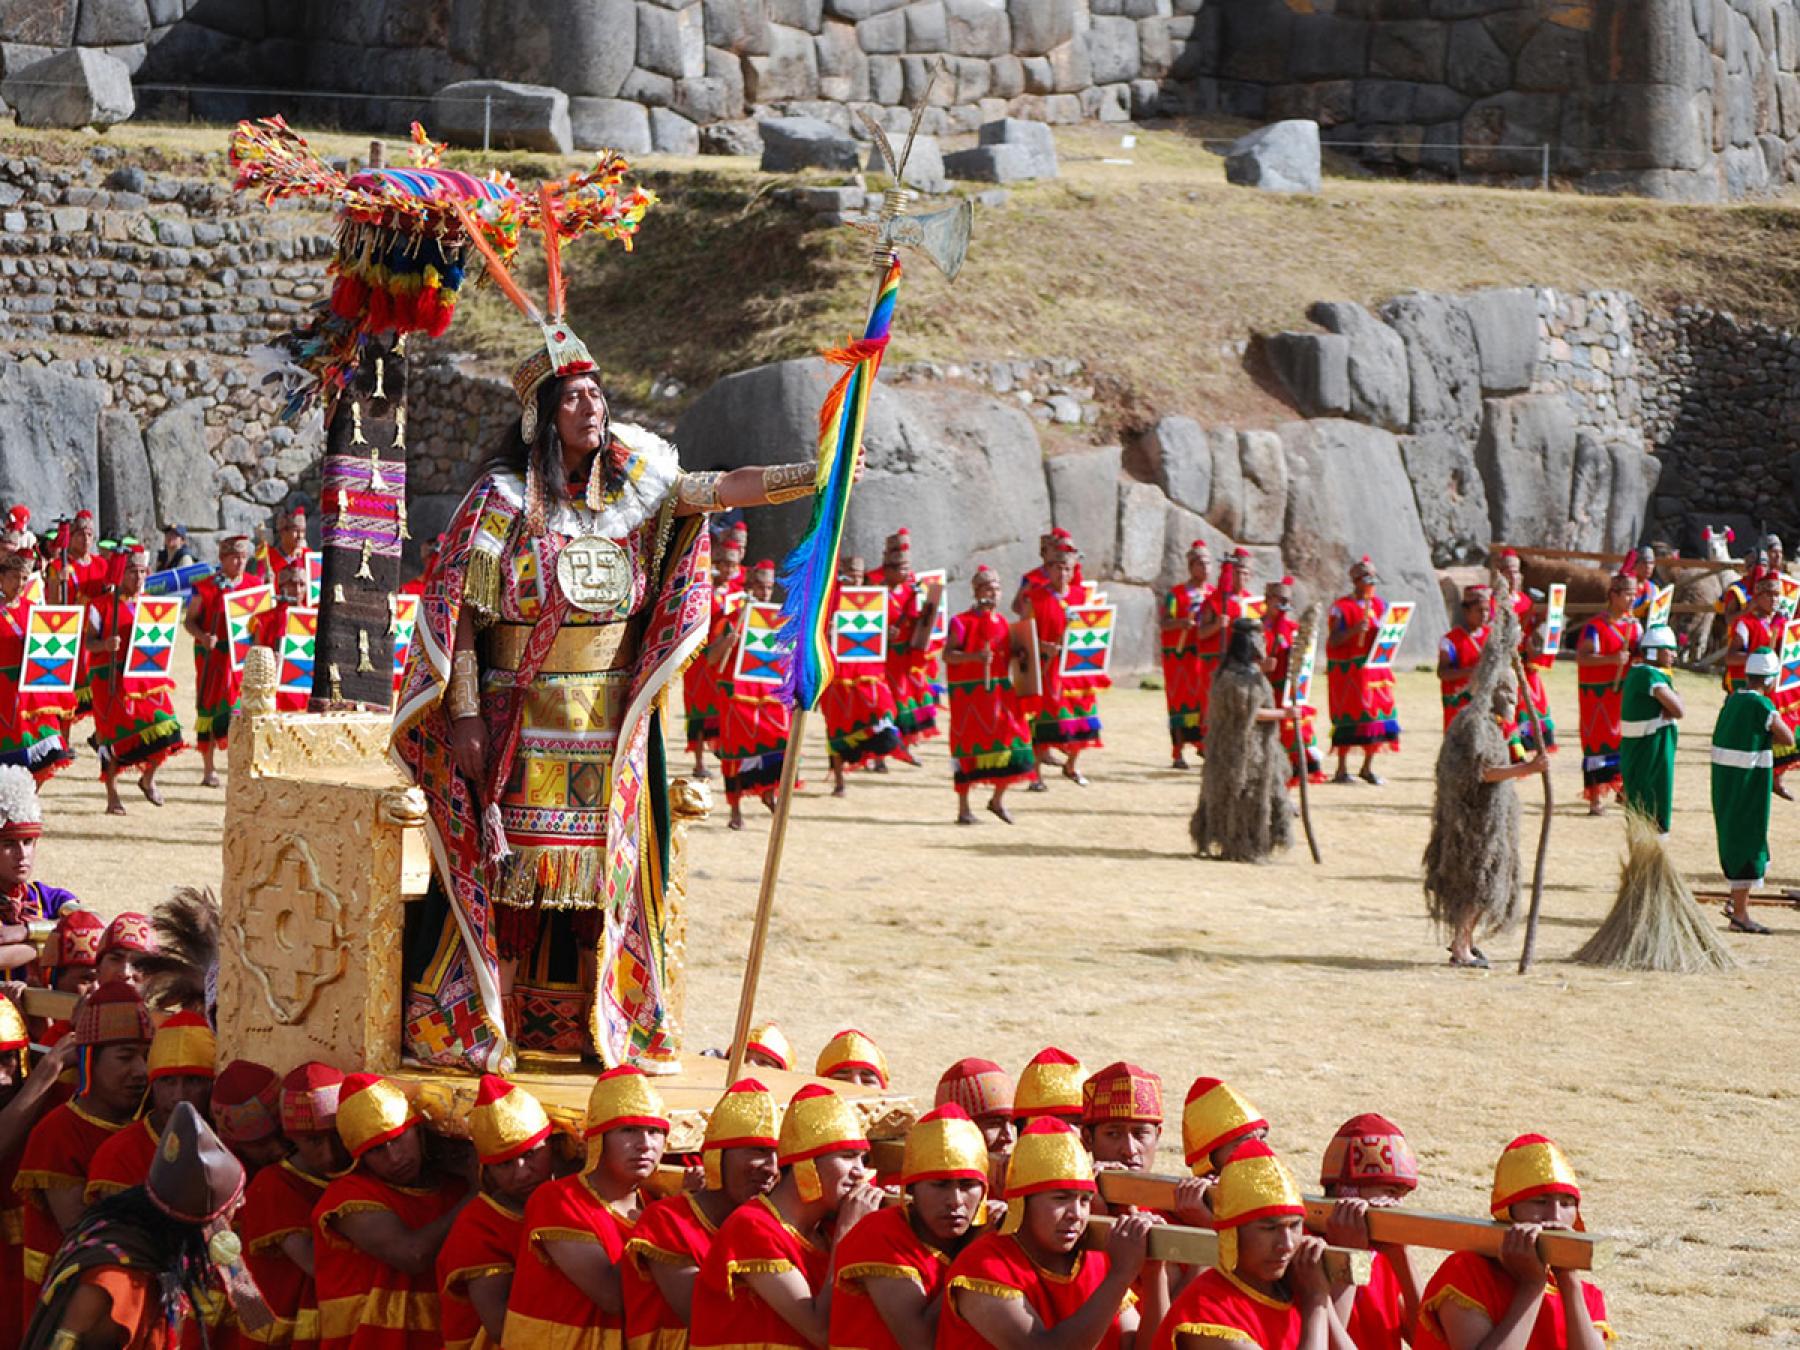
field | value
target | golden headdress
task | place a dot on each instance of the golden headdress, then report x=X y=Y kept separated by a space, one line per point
x=769 y=1039
x=1532 y=1165
x=850 y=1049
x=621 y=1097
x=1050 y=1086
x=1048 y=1157
x=184 y=1046
x=1253 y=1184
x=1215 y=1114
x=371 y=1111
x=745 y=1117
x=944 y=1145
x=817 y=1122
x=13 y=1035
x=507 y=1121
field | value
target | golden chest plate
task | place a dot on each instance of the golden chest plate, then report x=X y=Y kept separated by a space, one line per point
x=595 y=574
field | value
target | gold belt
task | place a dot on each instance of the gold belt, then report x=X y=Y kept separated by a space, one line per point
x=582 y=649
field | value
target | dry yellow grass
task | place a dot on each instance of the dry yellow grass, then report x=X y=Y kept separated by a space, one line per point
x=1319 y=991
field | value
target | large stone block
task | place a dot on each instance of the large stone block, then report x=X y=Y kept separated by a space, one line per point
x=1035 y=138
x=792 y=143
x=1505 y=321
x=806 y=15
x=927 y=27
x=1264 y=469
x=1039 y=27
x=1084 y=497
x=79 y=87
x=1452 y=500
x=1182 y=529
x=127 y=495
x=709 y=99
x=924 y=168
x=180 y=467
x=673 y=134
x=1226 y=507
x=977 y=27
x=963 y=471
x=1070 y=69
x=789 y=71
x=1113 y=50
x=1181 y=457
x=1634 y=479
x=671 y=42
x=584 y=47
x=1409 y=50
x=1348 y=495
x=49 y=440
x=39 y=23
x=1281 y=157
x=611 y=123
x=1526 y=455
x=1314 y=368
x=1143 y=511
x=1328 y=47
x=1475 y=64
x=1442 y=363
x=1590 y=492
x=1136 y=628
x=1380 y=388
x=512 y=116
x=991 y=164
x=109 y=23
x=738 y=26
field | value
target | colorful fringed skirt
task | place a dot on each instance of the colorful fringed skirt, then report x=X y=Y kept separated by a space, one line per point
x=1187 y=678
x=1069 y=720
x=753 y=736
x=1600 y=738
x=859 y=717
x=1315 y=765
x=1362 y=706
x=133 y=730
x=33 y=740
x=915 y=701
x=216 y=691
x=989 y=739
x=1539 y=699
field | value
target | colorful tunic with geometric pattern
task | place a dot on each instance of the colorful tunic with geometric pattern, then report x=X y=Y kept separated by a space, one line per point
x=1743 y=780
x=483 y=1241
x=1748 y=633
x=1647 y=747
x=860 y=716
x=1220 y=1305
x=910 y=671
x=1068 y=717
x=1279 y=634
x=58 y=1153
x=279 y=1204
x=673 y=1232
x=1362 y=700
x=754 y=724
x=1536 y=663
x=217 y=685
x=1187 y=676
x=1458 y=653
x=728 y=1312
x=1473 y=1281
x=995 y=1264
x=545 y=1309
x=135 y=726
x=31 y=734
x=990 y=741
x=881 y=1246
x=83 y=582
x=366 y=1304
x=575 y=796
x=1599 y=691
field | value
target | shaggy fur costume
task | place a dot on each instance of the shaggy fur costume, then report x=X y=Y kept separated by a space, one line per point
x=1243 y=815
x=1472 y=859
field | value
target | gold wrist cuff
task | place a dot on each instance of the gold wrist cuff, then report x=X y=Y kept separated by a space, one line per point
x=788 y=482
x=699 y=490
x=462 y=698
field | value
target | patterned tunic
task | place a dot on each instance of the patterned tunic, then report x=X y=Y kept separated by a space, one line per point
x=1069 y=718
x=1600 y=688
x=1187 y=675
x=989 y=738
x=1362 y=700
x=134 y=717
x=30 y=724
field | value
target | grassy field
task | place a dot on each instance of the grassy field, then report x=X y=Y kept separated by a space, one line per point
x=1153 y=272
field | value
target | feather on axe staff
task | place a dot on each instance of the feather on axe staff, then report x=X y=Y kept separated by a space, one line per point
x=809 y=570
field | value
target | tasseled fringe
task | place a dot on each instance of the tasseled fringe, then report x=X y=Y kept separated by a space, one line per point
x=481 y=585
x=494 y=829
x=552 y=878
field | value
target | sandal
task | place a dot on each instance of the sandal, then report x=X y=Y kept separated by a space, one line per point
x=1078 y=779
x=1738 y=925
x=1371 y=777
x=1343 y=779
x=1475 y=961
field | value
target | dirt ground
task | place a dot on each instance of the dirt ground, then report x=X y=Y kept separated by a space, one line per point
x=1318 y=991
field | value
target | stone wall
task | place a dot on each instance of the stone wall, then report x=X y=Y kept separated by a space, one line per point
x=1696 y=99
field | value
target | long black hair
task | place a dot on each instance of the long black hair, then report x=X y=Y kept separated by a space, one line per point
x=542 y=456
x=1243 y=649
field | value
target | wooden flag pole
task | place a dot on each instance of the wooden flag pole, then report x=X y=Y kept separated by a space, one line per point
x=765 y=899
x=1405 y=1227
x=1308 y=632
x=1529 y=950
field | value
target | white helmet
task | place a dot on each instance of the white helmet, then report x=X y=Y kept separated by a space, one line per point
x=1661 y=635
x=1762 y=663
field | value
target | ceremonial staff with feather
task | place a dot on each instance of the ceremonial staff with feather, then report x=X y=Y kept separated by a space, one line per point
x=809 y=570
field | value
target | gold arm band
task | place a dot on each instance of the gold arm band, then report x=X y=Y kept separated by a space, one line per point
x=463 y=696
x=788 y=482
x=700 y=490
x=65 y=1339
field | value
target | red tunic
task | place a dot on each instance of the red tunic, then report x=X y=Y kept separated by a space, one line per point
x=269 y=628
x=1599 y=689
x=483 y=1241
x=365 y=1304
x=1536 y=663
x=1187 y=673
x=1474 y=1281
x=675 y=1232
x=217 y=684
x=859 y=709
x=134 y=719
x=546 y=1311
x=1378 y=1315
x=122 y=1162
x=1362 y=700
x=12 y=1236
x=755 y=1240
x=996 y=1264
x=278 y=1205
x=909 y=671
x=1222 y=1305
x=700 y=693
x=31 y=733
x=83 y=582
x=1279 y=633
x=990 y=739
x=1461 y=648
x=882 y=1246
x=1068 y=716
x=58 y=1152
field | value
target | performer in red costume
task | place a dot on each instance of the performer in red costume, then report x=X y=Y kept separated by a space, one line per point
x=909 y=667
x=1185 y=672
x=1069 y=715
x=1460 y=649
x=990 y=740
x=700 y=693
x=858 y=704
x=754 y=725
x=217 y=682
x=1280 y=631
x=1607 y=644
x=134 y=716
x=1362 y=700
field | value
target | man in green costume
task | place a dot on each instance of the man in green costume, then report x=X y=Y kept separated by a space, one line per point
x=1649 y=707
x=1743 y=778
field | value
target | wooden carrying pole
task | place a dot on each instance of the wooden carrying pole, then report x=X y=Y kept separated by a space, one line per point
x=1529 y=950
x=1406 y=1227
x=1788 y=899
x=1200 y=1247
x=765 y=899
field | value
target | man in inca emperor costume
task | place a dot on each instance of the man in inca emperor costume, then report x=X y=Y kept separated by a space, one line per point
x=572 y=587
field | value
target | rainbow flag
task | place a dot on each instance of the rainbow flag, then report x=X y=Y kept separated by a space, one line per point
x=807 y=573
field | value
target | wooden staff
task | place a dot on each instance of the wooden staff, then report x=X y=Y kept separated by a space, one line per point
x=1303 y=641
x=1391 y=1224
x=1200 y=1247
x=1788 y=899
x=1529 y=950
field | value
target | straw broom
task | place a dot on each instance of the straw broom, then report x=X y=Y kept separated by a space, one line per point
x=1655 y=923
